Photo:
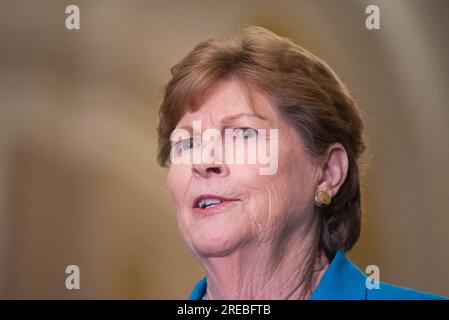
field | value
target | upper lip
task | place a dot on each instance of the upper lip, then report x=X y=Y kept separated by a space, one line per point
x=195 y=203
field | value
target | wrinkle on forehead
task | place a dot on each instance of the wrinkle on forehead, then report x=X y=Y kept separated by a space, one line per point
x=230 y=97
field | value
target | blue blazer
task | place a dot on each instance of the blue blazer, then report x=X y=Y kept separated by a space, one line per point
x=344 y=281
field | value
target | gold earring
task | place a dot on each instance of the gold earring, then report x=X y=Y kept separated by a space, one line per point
x=322 y=199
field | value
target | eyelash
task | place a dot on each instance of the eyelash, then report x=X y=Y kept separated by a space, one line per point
x=179 y=144
x=247 y=129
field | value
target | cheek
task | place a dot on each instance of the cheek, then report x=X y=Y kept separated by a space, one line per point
x=298 y=175
x=178 y=180
x=177 y=183
x=265 y=212
x=284 y=196
x=262 y=196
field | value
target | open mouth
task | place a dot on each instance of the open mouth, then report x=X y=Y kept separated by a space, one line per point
x=207 y=202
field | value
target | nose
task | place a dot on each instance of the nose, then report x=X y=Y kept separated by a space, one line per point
x=205 y=170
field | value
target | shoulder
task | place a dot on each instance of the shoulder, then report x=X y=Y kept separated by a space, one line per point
x=343 y=280
x=199 y=290
x=388 y=291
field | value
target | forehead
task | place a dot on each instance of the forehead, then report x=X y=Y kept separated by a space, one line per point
x=230 y=98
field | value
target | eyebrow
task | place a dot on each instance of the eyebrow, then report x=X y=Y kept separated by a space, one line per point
x=186 y=127
x=228 y=119
x=231 y=118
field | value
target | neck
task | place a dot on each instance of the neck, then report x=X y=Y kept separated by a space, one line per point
x=276 y=270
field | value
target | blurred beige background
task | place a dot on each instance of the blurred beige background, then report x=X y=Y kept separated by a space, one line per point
x=79 y=183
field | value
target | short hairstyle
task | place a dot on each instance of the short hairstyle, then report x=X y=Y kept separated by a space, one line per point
x=308 y=94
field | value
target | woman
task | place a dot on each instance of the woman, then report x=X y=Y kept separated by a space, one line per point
x=281 y=233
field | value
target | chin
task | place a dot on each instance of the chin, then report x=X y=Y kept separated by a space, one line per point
x=213 y=242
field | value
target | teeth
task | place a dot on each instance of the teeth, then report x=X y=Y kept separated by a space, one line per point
x=208 y=202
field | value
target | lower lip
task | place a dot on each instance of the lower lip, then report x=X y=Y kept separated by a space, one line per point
x=215 y=208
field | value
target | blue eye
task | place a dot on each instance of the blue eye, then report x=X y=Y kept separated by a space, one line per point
x=186 y=144
x=246 y=133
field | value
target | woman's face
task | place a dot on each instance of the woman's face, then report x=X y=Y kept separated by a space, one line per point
x=254 y=208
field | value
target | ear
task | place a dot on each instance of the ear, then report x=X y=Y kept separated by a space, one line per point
x=334 y=169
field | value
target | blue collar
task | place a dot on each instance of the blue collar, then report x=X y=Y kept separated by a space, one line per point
x=342 y=280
